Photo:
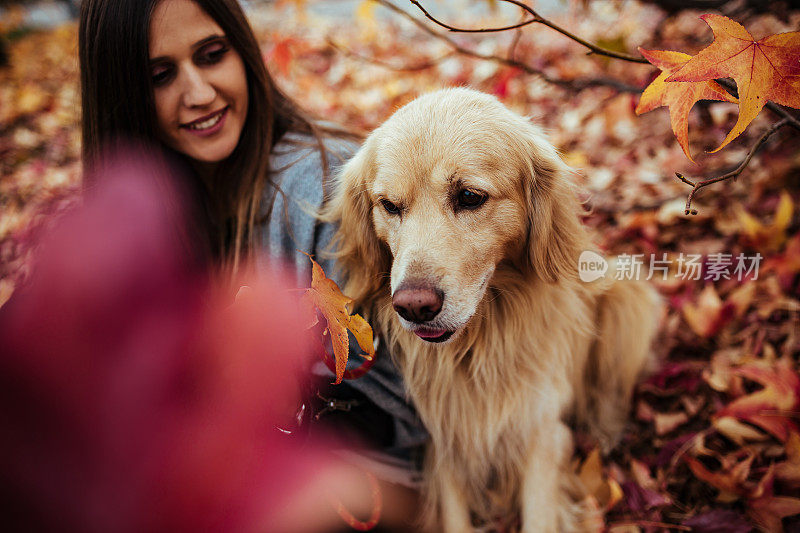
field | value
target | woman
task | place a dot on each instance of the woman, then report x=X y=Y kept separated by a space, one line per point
x=141 y=80
x=186 y=77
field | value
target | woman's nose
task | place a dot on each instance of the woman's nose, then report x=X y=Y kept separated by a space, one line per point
x=197 y=91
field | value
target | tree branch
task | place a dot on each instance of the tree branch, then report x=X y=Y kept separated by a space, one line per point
x=786 y=117
x=536 y=18
x=575 y=85
x=696 y=186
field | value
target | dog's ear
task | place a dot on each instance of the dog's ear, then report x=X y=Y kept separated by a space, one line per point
x=556 y=236
x=364 y=259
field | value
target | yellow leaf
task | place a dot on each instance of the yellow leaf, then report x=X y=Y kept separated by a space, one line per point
x=326 y=296
x=767 y=236
x=709 y=314
x=365 y=12
x=605 y=490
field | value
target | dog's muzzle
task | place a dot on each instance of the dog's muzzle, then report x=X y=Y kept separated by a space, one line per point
x=419 y=304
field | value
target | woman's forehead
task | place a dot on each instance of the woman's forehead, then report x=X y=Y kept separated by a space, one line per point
x=178 y=25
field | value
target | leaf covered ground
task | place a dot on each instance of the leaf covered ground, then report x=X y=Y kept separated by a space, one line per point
x=714 y=443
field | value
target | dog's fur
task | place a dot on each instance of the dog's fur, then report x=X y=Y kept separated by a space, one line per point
x=533 y=345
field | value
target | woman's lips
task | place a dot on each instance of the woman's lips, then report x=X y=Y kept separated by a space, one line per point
x=433 y=335
x=207 y=125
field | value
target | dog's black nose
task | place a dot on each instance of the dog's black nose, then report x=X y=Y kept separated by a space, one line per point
x=417 y=304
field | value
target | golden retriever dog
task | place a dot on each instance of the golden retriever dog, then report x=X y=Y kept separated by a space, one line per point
x=460 y=237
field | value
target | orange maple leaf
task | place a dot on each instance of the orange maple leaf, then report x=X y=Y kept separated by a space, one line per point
x=678 y=97
x=772 y=407
x=709 y=314
x=326 y=296
x=768 y=69
x=281 y=55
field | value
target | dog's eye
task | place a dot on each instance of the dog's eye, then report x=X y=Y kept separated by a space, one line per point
x=391 y=208
x=469 y=199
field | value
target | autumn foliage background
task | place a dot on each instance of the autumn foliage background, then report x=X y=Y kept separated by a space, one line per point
x=715 y=440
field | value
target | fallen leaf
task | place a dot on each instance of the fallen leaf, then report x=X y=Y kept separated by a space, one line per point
x=770 y=236
x=709 y=314
x=786 y=265
x=731 y=482
x=719 y=521
x=641 y=473
x=719 y=374
x=736 y=431
x=768 y=512
x=772 y=407
x=788 y=471
x=763 y=70
x=678 y=97
x=326 y=296
x=766 y=509
x=668 y=422
x=605 y=490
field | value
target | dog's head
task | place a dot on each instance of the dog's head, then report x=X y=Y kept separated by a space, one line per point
x=451 y=188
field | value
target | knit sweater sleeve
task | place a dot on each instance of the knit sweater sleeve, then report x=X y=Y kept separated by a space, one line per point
x=290 y=228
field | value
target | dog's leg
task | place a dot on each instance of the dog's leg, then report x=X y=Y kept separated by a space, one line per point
x=628 y=315
x=454 y=511
x=546 y=505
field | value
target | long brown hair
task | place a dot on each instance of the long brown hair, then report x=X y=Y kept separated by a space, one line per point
x=118 y=106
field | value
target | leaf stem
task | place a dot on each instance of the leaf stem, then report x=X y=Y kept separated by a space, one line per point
x=696 y=186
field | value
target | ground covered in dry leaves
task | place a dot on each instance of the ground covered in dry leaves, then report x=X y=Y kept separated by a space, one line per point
x=715 y=441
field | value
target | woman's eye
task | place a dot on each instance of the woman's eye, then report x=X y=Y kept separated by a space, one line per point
x=391 y=208
x=212 y=54
x=469 y=199
x=160 y=75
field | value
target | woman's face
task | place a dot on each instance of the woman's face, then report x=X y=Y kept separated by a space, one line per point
x=199 y=81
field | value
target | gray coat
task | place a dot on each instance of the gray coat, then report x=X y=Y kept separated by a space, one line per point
x=292 y=226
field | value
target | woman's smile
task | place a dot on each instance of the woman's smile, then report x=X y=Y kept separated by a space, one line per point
x=199 y=82
x=209 y=124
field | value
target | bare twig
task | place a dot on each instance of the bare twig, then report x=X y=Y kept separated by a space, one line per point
x=733 y=173
x=536 y=18
x=575 y=85
x=466 y=30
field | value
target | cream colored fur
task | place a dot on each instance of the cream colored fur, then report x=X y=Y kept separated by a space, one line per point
x=534 y=346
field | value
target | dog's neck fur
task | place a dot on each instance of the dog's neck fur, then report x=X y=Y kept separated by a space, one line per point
x=493 y=360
